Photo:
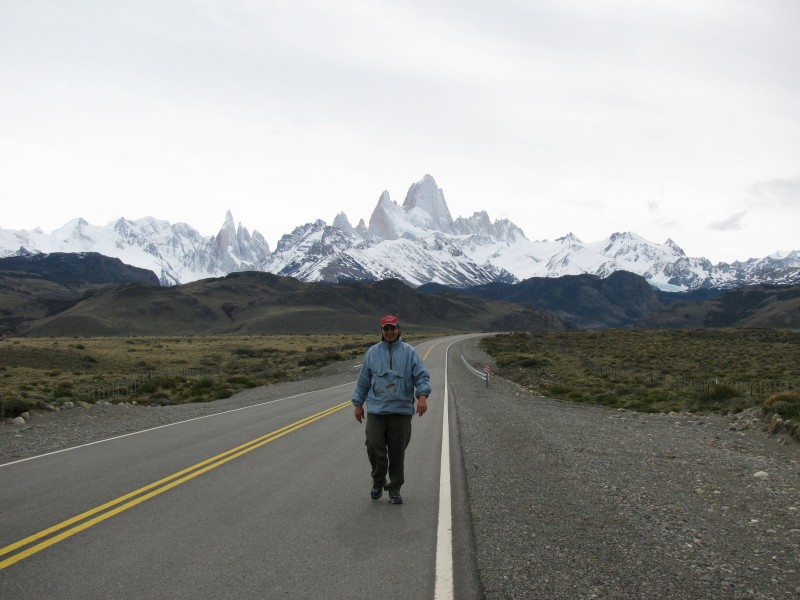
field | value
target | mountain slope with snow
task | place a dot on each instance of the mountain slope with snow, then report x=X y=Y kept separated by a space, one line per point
x=175 y=253
x=417 y=242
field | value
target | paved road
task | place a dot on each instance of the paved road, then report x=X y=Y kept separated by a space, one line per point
x=566 y=501
x=270 y=501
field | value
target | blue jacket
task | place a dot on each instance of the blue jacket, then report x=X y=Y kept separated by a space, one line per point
x=388 y=378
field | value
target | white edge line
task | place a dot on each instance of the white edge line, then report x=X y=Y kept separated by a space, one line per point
x=444 y=533
x=118 y=437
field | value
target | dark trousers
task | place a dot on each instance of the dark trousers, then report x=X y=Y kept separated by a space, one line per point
x=387 y=439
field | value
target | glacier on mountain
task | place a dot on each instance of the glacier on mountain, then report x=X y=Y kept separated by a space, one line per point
x=418 y=242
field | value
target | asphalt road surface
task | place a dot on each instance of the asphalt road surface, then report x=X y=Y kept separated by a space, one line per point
x=565 y=501
x=270 y=501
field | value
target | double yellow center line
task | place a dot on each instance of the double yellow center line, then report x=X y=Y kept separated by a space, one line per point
x=52 y=535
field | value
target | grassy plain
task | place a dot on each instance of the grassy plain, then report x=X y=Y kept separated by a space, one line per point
x=701 y=370
x=159 y=370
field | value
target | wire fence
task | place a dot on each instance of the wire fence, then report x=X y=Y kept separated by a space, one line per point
x=134 y=384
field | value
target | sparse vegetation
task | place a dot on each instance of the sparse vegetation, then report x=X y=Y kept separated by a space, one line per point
x=703 y=370
x=169 y=370
x=785 y=404
x=13 y=407
x=707 y=370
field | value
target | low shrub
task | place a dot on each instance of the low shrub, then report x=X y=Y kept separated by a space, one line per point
x=279 y=375
x=719 y=393
x=202 y=384
x=310 y=360
x=158 y=394
x=63 y=390
x=13 y=407
x=247 y=352
x=785 y=404
x=532 y=362
x=520 y=360
x=556 y=389
x=163 y=383
x=606 y=399
x=640 y=406
x=319 y=358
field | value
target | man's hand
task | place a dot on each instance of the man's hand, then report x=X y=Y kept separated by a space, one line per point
x=422 y=405
x=359 y=413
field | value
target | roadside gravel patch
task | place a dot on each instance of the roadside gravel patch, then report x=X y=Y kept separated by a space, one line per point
x=576 y=501
x=48 y=432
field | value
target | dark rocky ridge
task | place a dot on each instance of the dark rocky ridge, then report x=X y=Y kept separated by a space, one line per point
x=89 y=294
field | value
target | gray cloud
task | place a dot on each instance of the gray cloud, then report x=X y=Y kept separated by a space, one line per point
x=732 y=223
x=776 y=193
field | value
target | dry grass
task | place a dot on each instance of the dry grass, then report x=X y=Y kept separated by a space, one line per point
x=164 y=370
x=702 y=370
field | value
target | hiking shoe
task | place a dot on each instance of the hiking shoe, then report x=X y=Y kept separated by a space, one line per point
x=396 y=499
x=377 y=492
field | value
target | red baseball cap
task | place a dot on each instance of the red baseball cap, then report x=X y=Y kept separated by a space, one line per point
x=390 y=320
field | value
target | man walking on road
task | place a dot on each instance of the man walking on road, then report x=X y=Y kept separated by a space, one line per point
x=391 y=376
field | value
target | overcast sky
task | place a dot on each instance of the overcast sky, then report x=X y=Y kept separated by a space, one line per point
x=670 y=118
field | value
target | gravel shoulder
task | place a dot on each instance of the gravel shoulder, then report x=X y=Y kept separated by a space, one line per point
x=576 y=501
x=567 y=501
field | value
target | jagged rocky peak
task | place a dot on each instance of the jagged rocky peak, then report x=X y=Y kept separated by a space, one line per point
x=506 y=231
x=226 y=244
x=570 y=238
x=627 y=238
x=299 y=236
x=478 y=224
x=620 y=239
x=383 y=219
x=426 y=197
x=621 y=235
x=260 y=244
x=342 y=223
x=671 y=244
x=227 y=234
x=72 y=229
x=234 y=248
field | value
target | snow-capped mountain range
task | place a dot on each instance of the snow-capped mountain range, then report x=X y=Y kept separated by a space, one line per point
x=418 y=242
